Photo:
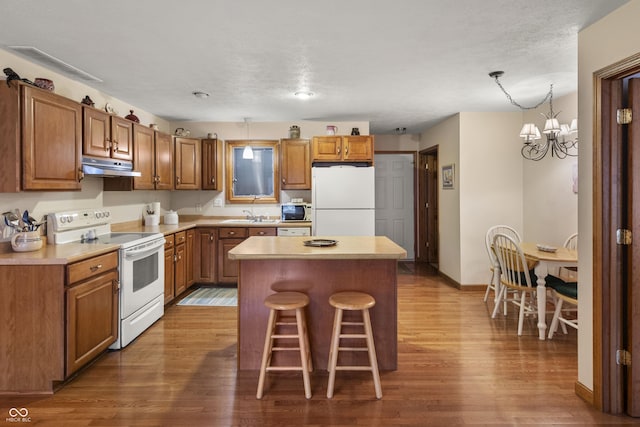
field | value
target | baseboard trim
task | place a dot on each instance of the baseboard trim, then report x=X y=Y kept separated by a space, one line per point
x=583 y=392
x=454 y=284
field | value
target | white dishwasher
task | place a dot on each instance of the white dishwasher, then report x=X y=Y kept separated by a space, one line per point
x=294 y=231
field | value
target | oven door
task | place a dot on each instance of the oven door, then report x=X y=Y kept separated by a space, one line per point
x=141 y=275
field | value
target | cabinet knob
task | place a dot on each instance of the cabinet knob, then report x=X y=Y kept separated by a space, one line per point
x=262 y=233
x=284 y=181
x=115 y=146
x=213 y=180
x=346 y=149
x=338 y=149
x=231 y=233
x=178 y=180
x=80 y=175
x=94 y=268
x=211 y=237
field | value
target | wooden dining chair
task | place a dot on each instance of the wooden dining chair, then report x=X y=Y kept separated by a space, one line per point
x=517 y=280
x=493 y=261
x=564 y=293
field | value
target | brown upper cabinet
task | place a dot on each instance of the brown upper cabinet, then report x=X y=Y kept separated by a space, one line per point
x=187 y=161
x=41 y=135
x=106 y=135
x=211 y=164
x=357 y=148
x=153 y=157
x=295 y=164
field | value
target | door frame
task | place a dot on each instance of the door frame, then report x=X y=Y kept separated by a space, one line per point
x=608 y=377
x=415 y=194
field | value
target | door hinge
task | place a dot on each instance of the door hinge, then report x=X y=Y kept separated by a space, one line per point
x=623 y=236
x=623 y=357
x=624 y=116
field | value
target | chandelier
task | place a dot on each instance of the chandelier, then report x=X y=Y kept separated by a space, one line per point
x=560 y=139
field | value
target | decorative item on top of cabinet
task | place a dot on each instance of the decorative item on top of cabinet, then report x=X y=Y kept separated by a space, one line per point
x=37 y=124
x=187 y=163
x=348 y=148
x=211 y=164
x=295 y=164
x=132 y=117
x=106 y=135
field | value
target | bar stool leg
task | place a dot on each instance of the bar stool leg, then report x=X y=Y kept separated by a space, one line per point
x=304 y=356
x=333 y=351
x=373 y=360
x=266 y=353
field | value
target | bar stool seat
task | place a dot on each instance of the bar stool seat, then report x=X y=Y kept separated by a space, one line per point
x=355 y=301
x=278 y=303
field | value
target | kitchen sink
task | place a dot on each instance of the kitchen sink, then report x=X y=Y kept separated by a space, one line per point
x=250 y=221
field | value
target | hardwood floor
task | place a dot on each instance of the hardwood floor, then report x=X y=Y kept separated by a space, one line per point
x=457 y=366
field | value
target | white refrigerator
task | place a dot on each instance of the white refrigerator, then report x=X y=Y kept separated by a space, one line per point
x=343 y=201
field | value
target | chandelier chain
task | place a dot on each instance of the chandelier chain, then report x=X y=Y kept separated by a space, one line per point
x=549 y=96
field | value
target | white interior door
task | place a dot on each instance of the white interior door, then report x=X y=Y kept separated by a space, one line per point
x=394 y=199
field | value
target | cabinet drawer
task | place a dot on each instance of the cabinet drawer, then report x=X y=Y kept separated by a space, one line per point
x=91 y=267
x=263 y=231
x=232 y=232
x=180 y=237
x=168 y=241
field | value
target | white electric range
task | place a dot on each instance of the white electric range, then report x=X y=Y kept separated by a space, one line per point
x=140 y=266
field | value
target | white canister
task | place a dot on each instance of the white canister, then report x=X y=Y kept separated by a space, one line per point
x=171 y=217
x=152 y=219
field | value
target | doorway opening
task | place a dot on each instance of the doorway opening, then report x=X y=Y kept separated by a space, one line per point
x=428 y=236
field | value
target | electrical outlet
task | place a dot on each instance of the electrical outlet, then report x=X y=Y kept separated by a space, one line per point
x=217 y=203
x=198 y=207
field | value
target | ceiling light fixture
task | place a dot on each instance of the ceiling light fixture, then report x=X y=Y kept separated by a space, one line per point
x=200 y=94
x=303 y=94
x=558 y=137
x=401 y=131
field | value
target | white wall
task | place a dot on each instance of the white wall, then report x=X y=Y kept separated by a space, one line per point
x=491 y=185
x=611 y=39
x=407 y=142
x=446 y=135
x=550 y=205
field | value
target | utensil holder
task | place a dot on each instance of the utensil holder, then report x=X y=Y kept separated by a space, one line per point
x=26 y=241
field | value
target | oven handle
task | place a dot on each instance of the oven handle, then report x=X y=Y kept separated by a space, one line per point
x=146 y=250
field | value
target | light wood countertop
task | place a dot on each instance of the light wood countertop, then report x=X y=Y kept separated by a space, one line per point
x=55 y=254
x=292 y=247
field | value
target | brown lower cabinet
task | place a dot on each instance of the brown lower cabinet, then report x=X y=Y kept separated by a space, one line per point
x=229 y=238
x=178 y=263
x=92 y=309
x=204 y=264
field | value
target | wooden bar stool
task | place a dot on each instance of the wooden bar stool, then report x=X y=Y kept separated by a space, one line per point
x=279 y=302
x=352 y=301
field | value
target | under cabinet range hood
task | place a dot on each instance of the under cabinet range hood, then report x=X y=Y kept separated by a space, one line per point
x=108 y=167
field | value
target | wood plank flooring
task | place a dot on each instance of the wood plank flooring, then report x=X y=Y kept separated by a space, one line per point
x=457 y=366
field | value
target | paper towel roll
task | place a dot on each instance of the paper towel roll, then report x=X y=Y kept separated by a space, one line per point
x=156 y=208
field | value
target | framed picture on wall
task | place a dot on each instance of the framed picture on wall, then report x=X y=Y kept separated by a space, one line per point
x=448 y=177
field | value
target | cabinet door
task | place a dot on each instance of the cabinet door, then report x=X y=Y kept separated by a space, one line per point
x=188 y=253
x=143 y=158
x=121 y=138
x=180 y=282
x=204 y=263
x=187 y=161
x=96 y=139
x=295 y=164
x=357 y=147
x=168 y=275
x=211 y=164
x=92 y=319
x=164 y=161
x=227 y=268
x=327 y=148
x=52 y=141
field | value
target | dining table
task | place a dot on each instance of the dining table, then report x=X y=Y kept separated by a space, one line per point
x=547 y=260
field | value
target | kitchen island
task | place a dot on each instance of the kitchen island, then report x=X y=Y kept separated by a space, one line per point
x=356 y=263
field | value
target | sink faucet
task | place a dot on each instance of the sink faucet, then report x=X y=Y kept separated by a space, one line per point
x=250 y=215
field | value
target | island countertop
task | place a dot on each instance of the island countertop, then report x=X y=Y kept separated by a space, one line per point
x=292 y=247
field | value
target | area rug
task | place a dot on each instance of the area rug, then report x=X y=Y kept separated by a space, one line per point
x=212 y=296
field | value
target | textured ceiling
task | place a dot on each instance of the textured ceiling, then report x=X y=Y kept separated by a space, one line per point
x=401 y=63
